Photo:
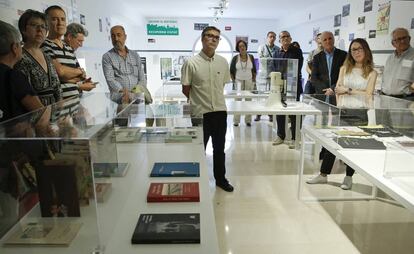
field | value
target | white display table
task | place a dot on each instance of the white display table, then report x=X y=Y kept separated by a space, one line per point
x=260 y=108
x=369 y=164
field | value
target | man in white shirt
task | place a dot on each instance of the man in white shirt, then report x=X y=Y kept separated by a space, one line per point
x=203 y=77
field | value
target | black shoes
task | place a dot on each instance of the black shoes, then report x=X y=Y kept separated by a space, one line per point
x=226 y=186
x=236 y=124
x=249 y=124
x=270 y=118
x=257 y=118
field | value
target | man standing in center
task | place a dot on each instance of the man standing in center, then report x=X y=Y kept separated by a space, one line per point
x=203 y=78
x=289 y=51
x=266 y=51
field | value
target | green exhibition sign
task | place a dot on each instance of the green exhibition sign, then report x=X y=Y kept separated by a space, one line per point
x=160 y=28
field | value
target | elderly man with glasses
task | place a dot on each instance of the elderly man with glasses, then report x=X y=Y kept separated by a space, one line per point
x=398 y=73
x=203 y=78
x=122 y=67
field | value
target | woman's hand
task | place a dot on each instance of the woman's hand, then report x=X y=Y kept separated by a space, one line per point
x=341 y=90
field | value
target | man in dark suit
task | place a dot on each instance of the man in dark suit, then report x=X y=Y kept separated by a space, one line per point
x=326 y=65
x=325 y=72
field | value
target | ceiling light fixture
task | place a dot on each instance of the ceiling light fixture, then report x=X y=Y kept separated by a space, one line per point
x=219 y=9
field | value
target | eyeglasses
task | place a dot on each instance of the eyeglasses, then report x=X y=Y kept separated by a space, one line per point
x=354 y=50
x=400 y=39
x=38 y=26
x=212 y=36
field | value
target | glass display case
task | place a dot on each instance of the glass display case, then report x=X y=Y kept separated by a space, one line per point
x=289 y=72
x=399 y=157
x=55 y=176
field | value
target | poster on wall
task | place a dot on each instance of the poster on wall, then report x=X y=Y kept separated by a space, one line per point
x=345 y=10
x=337 y=20
x=163 y=27
x=200 y=26
x=254 y=40
x=336 y=32
x=361 y=23
x=166 y=68
x=100 y=25
x=351 y=36
x=82 y=19
x=242 y=38
x=144 y=64
x=383 y=19
x=372 y=34
x=412 y=23
x=368 y=5
x=178 y=62
x=315 y=32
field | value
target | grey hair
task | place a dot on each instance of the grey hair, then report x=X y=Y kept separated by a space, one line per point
x=8 y=36
x=399 y=29
x=74 y=29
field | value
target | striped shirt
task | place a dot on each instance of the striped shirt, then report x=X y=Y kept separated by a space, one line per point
x=65 y=56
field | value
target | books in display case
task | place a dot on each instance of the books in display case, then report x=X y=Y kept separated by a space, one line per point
x=173 y=192
x=127 y=135
x=184 y=131
x=381 y=131
x=167 y=229
x=178 y=139
x=110 y=169
x=171 y=169
x=44 y=233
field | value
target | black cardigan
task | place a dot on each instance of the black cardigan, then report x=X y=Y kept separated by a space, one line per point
x=233 y=63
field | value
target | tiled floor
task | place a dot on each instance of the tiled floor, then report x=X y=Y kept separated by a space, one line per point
x=263 y=214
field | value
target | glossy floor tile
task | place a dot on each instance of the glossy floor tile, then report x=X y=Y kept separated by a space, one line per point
x=263 y=214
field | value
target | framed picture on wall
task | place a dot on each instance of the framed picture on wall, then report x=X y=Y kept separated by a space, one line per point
x=336 y=33
x=412 y=23
x=372 y=34
x=345 y=10
x=367 y=5
x=337 y=20
x=166 y=68
x=242 y=37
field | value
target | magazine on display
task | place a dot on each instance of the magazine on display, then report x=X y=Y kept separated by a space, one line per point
x=172 y=169
x=126 y=135
x=46 y=233
x=167 y=229
x=110 y=169
x=173 y=192
x=360 y=143
x=178 y=139
x=191 y=132
x=382 y=132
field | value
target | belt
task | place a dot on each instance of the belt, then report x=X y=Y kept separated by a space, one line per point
x=398 y=95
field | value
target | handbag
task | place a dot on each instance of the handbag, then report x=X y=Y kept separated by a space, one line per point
x=144 y=90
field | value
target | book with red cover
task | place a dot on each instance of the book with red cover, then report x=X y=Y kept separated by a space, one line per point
x=173 y=192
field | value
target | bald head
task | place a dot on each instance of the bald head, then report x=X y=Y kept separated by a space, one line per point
x=327 y=41
x=118 y=37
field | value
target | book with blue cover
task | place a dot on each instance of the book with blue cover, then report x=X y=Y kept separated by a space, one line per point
x=171 y=169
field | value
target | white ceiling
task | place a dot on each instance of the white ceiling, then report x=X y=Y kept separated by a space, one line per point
x=251 y=9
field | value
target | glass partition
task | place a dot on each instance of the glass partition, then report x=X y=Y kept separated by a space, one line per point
x=399 y=157
x=56 y=169
x=289 y=74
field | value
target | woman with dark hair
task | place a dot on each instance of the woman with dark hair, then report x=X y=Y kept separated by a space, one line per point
x=35 y=64
x=356 y=76
x=243 y=72
x=296 y=44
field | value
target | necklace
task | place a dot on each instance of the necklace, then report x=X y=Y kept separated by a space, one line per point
x=244 y=68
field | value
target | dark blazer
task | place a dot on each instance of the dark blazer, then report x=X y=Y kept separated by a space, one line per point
x=233 y=63
x=320 y=75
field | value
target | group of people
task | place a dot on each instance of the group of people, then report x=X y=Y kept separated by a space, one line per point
x=47 y=71
x=38 y=67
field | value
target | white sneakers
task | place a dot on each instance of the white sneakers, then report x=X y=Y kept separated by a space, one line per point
x=347 y=183
x=319 y=179
x=277 y=141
